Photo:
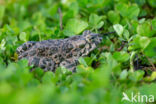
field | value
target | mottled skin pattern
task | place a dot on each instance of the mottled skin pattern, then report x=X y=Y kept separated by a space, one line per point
x=50 y=54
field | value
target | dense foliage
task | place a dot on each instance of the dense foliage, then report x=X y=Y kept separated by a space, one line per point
x=124 y=62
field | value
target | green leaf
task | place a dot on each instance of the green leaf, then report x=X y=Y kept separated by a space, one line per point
x=95 y=21
x=89 y=60
x=133 y=11
x=140 y=2
x=134 y=24
x=75 y=26
x=145 y=29
x=113 y=17
x=137 y=75
x=154 y=25
x=38 y=73
x=126 y=34
x=150 y=50
x=48 y=77
x=144 y=42
x=129 y=11
x=153 y=76
x=135 y=43
x=68 y=33
x=152 y=3
x=119 y=29
x=23 y=36
x=123 y=9
x=83 y=62
x=100 y=25
x=121 y=56
x=123 y=75
x=2 y=44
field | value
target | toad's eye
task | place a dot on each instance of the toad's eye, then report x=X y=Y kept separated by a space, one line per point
x=90 y=38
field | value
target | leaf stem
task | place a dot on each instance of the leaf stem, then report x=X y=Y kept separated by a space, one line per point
x=60 y=19
x=131 y=61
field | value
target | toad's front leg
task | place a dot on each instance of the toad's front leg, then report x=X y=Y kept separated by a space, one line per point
x=70 y=64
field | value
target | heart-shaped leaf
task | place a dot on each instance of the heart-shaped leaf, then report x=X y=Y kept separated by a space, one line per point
x=75 y=26
x=119 y=29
